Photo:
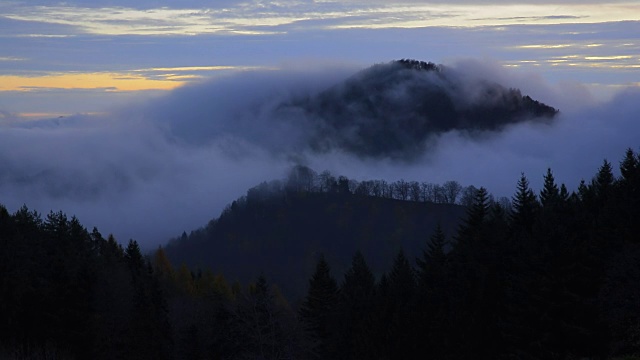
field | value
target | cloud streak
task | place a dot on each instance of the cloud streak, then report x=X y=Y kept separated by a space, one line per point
x=257 y=18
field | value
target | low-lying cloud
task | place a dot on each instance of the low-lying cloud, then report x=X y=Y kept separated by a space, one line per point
x=153 y=170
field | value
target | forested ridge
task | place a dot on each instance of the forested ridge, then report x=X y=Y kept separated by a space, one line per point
x=548 y=275
x=281 y=227
x=395 y=109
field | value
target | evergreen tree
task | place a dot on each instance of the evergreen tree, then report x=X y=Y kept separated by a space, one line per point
x=133 y=257
x=354 y=311
x=317 y=310
x=629 y=166
x=479 y=210
x=161 y=264
x=433 y=292
x=604 y=179
x=550 y=194
x=525 y=206
x=431 y=266
x=434 y=254
x=564 y=193
x=629 y=196
x=474 y=225
x=401 y=321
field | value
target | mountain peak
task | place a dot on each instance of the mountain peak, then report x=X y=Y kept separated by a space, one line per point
x=394 y=109
x=417 y=65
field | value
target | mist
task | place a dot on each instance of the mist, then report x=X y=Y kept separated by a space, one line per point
x=153 y=169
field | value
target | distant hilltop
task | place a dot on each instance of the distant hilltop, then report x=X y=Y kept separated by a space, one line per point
x=393 y=109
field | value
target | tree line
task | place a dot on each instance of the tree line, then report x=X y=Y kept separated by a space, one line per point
x=556 y=275
x=304 y=179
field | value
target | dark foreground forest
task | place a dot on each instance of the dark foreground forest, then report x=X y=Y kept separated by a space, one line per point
x=553 y=275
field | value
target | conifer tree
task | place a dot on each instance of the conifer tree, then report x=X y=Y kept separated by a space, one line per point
x=431 y=264
x=354 y=311
x=629 y=166
x=432 y=295
x=133 y=257
x=359 y=282
x=480 y=208
x=525 y=206
x=318 y=308
x=473 y=226
x=604 y=180
x=550 y=194
x=564 y=193
x=161 y=264
x=401 y=322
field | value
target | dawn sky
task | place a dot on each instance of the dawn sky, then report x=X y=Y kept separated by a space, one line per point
x=59 y=58
x=101 y=100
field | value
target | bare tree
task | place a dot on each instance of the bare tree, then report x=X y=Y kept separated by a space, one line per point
x=438 y=194
x=353 y=185
x=387 y=189
x=365 y=188
x=326 y=181
x=414 y=190
x=450 y=190
x=376 y=188
x=426 y=189
x=468 y=194
x=302 y=178
x=400 y=189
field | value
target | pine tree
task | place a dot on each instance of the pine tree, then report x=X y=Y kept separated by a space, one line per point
x=161 y=264
x=525 y=206
x=355 y=309
x=133 y=257
x=359 y=282
x=629 y=166
x=564 y=193
x=402 y=323
x=317 y=311
x=433 y=256
x=550 y=194
x=604 y=180
x=431 y=265
x=433 y=295
x=473 y=226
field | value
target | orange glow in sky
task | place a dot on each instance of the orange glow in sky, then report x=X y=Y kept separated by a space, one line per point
x=108 y=80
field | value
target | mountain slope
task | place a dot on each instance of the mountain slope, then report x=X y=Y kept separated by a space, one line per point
x=282 y=234
x=393 y=109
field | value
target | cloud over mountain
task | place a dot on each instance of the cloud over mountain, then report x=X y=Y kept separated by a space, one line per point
x=389 y=110
x=154 y=169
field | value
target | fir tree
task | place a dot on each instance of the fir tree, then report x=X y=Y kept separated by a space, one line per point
x=525 y=206
x=433 y=257
x=133 y=257
x=550 y=194
x=629 y=166
x=318 y=308
x=401 y=322
x=355 y=309
x=604 y=180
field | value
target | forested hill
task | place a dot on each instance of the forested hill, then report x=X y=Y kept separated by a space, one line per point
x=554 y=275
x=281 y=229
x=393 y=109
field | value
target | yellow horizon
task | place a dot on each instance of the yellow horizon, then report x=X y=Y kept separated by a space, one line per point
x=110 y=81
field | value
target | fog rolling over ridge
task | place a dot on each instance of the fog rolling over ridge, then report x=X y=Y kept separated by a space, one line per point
x=153 y=170
x=391 y=110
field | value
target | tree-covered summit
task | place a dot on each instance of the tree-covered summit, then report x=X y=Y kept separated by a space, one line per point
x=394 y=109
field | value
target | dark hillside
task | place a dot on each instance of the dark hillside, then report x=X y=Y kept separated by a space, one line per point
x=282 y=234
x=393 y=109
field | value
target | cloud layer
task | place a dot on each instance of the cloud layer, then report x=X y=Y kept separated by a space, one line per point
x=154 y=169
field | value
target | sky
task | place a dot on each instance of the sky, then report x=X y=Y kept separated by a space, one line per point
x=89 y=88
